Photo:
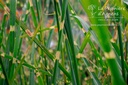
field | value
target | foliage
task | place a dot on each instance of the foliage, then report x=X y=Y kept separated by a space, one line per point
x=77 y=42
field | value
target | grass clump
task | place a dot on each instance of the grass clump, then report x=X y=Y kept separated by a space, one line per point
x=53 y=42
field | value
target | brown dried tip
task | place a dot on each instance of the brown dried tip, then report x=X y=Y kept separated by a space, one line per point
x=8 y=30
x=2 y=2
x=30 y=34
x=18 y=13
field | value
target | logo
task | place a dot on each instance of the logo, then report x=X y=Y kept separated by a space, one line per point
x=92 y=9
x=109 y=14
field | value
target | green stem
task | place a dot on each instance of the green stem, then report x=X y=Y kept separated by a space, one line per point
x=4 y=72
x=55 y=72
x=71 y=42
x=121 y=51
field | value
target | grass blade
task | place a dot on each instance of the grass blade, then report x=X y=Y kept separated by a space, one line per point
x=4 y=72
x=121 y=51
x=71 y=42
